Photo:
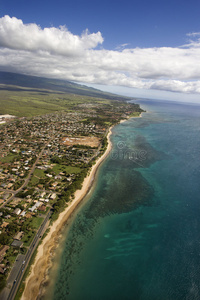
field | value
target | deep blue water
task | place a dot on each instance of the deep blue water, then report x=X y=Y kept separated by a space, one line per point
x=138 y=235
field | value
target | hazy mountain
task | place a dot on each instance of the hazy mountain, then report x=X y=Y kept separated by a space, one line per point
x=14 y=81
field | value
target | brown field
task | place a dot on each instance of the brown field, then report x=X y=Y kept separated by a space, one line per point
x=91 y=141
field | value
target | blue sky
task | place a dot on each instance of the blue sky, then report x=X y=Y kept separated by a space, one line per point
x=148 y=48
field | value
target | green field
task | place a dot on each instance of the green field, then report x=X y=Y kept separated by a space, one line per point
x=36 y=222
x=68 y=169
x=9 y=158
x=39 y=173
x=28 y=103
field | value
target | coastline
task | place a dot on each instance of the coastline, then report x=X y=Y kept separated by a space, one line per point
x=133 y=117
x=44 y=252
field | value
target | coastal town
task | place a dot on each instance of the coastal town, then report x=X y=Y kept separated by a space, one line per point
x=43 y=161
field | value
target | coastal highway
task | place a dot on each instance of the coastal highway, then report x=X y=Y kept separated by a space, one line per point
x=21 y=270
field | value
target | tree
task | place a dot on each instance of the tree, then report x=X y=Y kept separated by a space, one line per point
x=56 y=160
x=2 y=282
x=4 y=239
x=12 y=229
x=59 y=204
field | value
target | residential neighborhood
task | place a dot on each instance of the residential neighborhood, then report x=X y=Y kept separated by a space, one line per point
x=43 y=161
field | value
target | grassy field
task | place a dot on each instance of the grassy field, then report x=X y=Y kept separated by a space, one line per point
x=37 y=175
x=36 y=222
x=9 y=158
x=68 y=169
x=135 y=114
x=28 y=103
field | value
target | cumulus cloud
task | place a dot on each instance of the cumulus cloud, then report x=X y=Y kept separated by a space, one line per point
x=56 y=52
x=16 y=35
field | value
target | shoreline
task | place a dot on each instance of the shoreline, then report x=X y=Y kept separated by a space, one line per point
x=44 y=251
x=133 y=117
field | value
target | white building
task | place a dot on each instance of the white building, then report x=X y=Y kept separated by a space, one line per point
x=17 y=211
x=37 y=204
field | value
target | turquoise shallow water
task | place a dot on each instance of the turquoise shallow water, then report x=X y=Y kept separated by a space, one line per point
x=138 y=235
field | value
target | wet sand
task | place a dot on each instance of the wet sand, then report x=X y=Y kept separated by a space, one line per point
x=44 y=253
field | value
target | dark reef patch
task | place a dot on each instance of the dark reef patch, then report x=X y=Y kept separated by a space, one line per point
x=126 y=192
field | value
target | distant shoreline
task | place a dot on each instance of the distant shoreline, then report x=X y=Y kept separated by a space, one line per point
x=43 y=257
x=132 y=117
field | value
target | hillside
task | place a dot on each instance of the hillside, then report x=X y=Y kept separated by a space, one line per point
x=27 y=96
x=15 y=82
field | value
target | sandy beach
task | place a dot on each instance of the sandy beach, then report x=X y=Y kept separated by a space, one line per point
x=45 y=249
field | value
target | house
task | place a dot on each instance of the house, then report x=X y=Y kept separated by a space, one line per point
x=28 y=215
x=18 y=236
x=42 y=208
x=37 y=204
x=9 y=185
x=8 y=217
x=53 y=196
x=4 y=224
x=23 y=213
x=17 y=244
x=49 y=175
x=3 y=251
x=17 y=211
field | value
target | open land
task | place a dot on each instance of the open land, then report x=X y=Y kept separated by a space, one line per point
x=85 y=141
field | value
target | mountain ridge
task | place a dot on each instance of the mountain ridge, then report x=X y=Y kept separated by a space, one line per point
x=18 y=81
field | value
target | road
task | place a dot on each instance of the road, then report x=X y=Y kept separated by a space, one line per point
x=25 y=182
x=23 y=261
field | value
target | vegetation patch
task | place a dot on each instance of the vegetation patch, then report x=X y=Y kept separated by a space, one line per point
x=67 y=169
x=36 y=222
x=9 y=158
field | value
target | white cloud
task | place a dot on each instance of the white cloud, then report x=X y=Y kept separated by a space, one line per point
x=56 y=52
x=122 y=46
x=16 y=35
x=194 y=40
x=193 y=34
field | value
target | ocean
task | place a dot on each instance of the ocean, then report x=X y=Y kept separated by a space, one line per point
x=137 y=235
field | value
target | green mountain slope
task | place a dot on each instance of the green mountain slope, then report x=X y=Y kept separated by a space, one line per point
x=13 y=81
x=27 y=96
